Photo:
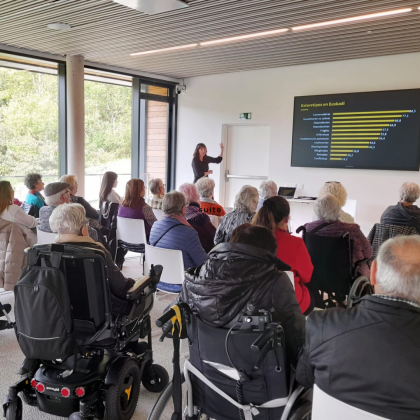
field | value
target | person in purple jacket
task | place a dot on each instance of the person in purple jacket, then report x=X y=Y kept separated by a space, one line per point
x=134 y=206
x=174 y=232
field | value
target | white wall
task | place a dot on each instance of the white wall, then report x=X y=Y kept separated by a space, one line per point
x=211 y=101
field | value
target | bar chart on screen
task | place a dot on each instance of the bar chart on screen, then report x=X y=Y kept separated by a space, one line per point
x=359 y=132
x=368 y=130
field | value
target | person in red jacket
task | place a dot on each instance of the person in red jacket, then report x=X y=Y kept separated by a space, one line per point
x=274 y=215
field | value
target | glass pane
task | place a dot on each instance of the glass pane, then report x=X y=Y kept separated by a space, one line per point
x=155 y=90
x=157 y=139
x=107 y=136
x=28 y=126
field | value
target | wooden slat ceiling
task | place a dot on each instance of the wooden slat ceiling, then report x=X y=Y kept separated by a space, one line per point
x=107 y=32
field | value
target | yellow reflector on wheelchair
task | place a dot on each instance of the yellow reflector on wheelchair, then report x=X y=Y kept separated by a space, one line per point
x=175 y=318
x=128 y=392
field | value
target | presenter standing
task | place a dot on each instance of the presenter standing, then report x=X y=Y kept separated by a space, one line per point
x=200 y=162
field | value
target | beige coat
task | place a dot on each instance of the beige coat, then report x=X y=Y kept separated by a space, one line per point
x=12 y=246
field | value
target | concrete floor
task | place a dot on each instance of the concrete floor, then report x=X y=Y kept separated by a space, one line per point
x=11 y=356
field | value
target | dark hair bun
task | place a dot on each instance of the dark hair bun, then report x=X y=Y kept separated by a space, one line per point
x=270 y=204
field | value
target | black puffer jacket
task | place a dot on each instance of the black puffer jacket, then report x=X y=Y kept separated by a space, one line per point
x=238 y=274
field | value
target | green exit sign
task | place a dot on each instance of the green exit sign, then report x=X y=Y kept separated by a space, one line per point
x=245 y=116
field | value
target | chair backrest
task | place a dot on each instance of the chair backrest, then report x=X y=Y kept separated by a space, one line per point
x=332 y=261
x=325 y=407
x=208 y=354
x=382 y=232
x=158 y=214
x=30 y=209
x=107 y=212
x=351 y=208
x=131 y=230
x=291 y=277
x=172 y=261
x=45 y=237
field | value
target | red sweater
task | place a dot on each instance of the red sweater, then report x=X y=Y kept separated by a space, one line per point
x=292 y=250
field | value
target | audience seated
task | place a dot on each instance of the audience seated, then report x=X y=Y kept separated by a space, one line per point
x=244 y=210
x=266 y=190
x=12 y=212
x=336 y=189
x=35 y=185
x=91 y=213
x=157 y=188
x=174 y=232
x=12 y=253
x=69 y=220
x=368 y=356
x=15 y=214
x=327 y=209
x=107 y=193
x=56 y=193
x=274 y=215
x=205 y=187
x=241 y=272
x=134 y=206
x=196 y=218
x=404 y=213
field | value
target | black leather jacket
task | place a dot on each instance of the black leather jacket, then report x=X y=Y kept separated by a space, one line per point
x=238 y=274
x=367 y=356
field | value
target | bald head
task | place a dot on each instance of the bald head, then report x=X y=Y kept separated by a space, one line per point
x=398 y=267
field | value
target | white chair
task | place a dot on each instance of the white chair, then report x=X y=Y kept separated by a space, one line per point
x=351 y=208
x=158 y=214
x=291 y=277
x=131 y=231
x=170 y=259
x=325 y=407
x=45 y=237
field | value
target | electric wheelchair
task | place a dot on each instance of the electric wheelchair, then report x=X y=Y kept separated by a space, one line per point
x=239 y=371
x=334 y=272
x=99 y=377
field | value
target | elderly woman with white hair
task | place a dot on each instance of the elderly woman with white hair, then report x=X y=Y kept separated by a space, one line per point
x=327 y=209
x=91 y=213
x=266 y=190
x=404 y=213
x=70 y=222
x=157 y=188
x=196 y=218
x=337 y=189
x=205 y=187
x=246 y=202
x=174 y=232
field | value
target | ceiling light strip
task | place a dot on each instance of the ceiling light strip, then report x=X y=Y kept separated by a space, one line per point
x=352 y=19
x=241 y=37
x=165 y=49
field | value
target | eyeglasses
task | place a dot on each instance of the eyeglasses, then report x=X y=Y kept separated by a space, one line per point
x=333 y=182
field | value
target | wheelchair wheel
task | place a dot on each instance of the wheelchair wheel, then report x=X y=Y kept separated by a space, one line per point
x=121 y=398
x=14 y=410
x=160 y=382
x=303 y=411
x=163 y=407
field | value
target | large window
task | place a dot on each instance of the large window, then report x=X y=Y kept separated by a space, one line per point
x=28 y=121
x=107 y=130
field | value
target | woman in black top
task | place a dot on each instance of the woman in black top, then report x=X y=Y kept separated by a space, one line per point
x=200 y=162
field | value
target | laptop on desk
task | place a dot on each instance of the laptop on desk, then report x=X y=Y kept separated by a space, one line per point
x=287 y=192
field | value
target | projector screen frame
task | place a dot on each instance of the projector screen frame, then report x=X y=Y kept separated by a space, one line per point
x=414 y=168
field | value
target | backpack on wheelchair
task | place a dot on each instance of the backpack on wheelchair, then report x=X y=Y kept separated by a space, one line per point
x=237 y=371
x=82 y=361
